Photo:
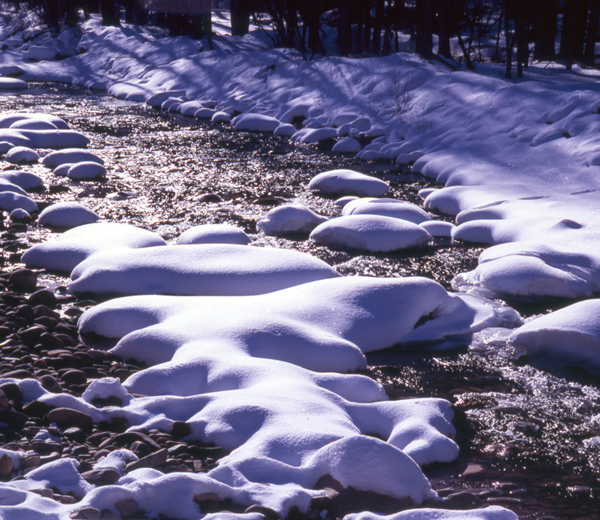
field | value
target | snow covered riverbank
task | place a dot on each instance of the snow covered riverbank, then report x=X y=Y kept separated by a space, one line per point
x=450 y=123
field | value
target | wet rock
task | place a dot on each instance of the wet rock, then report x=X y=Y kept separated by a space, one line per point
x=51 y=384
x=149 y=461
x=30 y=461
x=43 y=297
x=31 y=336
x=462 y=500
x=23 y=280
x=127 y=507
x=473 y=471
x=268 y=513
x=4 y=402
x=101 y=477
x=37 y=408
x=74 y=377
x=18 y=374
x=86 y=513
x=67 y=417
x=6 y=465
x=75 y=434
x=50 y=341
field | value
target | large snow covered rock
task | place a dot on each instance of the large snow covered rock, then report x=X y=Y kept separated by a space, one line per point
x=290 y=218
x=371 y=233
x=25 y=180
x=197 y=269
x=347 y=182
x=75 y=245
x=387 y=208
x=9 y=200
x=21 y=155
x=67 y=214
x=12 y=84
x=487 y=513
x=213 y=234
x=569 y=336
x=9 y=120
x=255 y=123
x=70 y=155
x=530 y=269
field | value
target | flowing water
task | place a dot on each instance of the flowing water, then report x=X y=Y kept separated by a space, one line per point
x=530 y=437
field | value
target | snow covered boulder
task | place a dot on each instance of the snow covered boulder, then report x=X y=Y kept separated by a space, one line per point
x=69 y=155
x=387 y=208
x=21 y=155
x=25 y=180
x=285 y=129
x=347 y=182
x=75 y=245
x=6 y=185
x=156 y=100
x=290 y=218
x=10 y=201
x=314 y=135
x=530 y=269
x=63 y=169
x=55 y=138
x=67 y=214
x=14 y=138
x=34 y=124
x=250 y=122
x=438 y=228
x=569 y=336
x=189 y=108
x=12 y=84
x=204 y=113
x=486 y=513
x=347 y=145
x=20 y=215
x=8 y=120
x=86 y=171
x=221 y=117
x=196 y=269
x=213 y=234
x=371 y=233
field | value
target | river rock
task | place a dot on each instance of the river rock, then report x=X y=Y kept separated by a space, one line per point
x=69 y=417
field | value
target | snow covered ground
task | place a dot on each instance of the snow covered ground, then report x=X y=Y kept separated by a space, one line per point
x=262 y=373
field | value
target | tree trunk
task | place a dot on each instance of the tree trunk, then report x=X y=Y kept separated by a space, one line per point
x=424 y=28
x=377 y=27
x=345 y=29
x=50 y=13
x=111 y=12
x=573 y=31
x=545 y=15
x=444 y=28
x=521 y=37
x=592 y=32
x=240 y=17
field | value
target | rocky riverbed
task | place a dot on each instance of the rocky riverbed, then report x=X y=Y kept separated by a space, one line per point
x=522 y=430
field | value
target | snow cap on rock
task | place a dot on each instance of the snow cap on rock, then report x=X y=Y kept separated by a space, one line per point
x=347 y=182
x=289 y=218
x=213 y=234
x=370 y=233
x=387 y=208
x=67 y=214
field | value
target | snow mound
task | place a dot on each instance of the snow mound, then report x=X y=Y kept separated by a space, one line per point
x=12 y=84
x=196 y=269
x=156 y=100
x=54 y=159
x=10 y=200
x=347 y=145
x=569 y=336
x=6 y=185
x=250 y=122
x=387 y=208
x=529 y=269
x=438 y=229
x=347 y=182
x=290 y=218
x=371 y=233
x=8 y=120
x=487 y=513
x=86 y=171
x=314 y=135
x=221 y=117
x=214 y=234
x=55 y=138
x=25 y=180
x=75 y=245
x=63 y=169
x=67 y=214
x=34 y=124
x=21 y=155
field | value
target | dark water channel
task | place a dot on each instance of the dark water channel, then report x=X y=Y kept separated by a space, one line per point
x=527 y=436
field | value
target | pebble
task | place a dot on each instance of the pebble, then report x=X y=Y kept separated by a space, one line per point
x=69 y=417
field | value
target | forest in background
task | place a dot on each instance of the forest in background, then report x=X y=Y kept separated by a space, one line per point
x=511 y=31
